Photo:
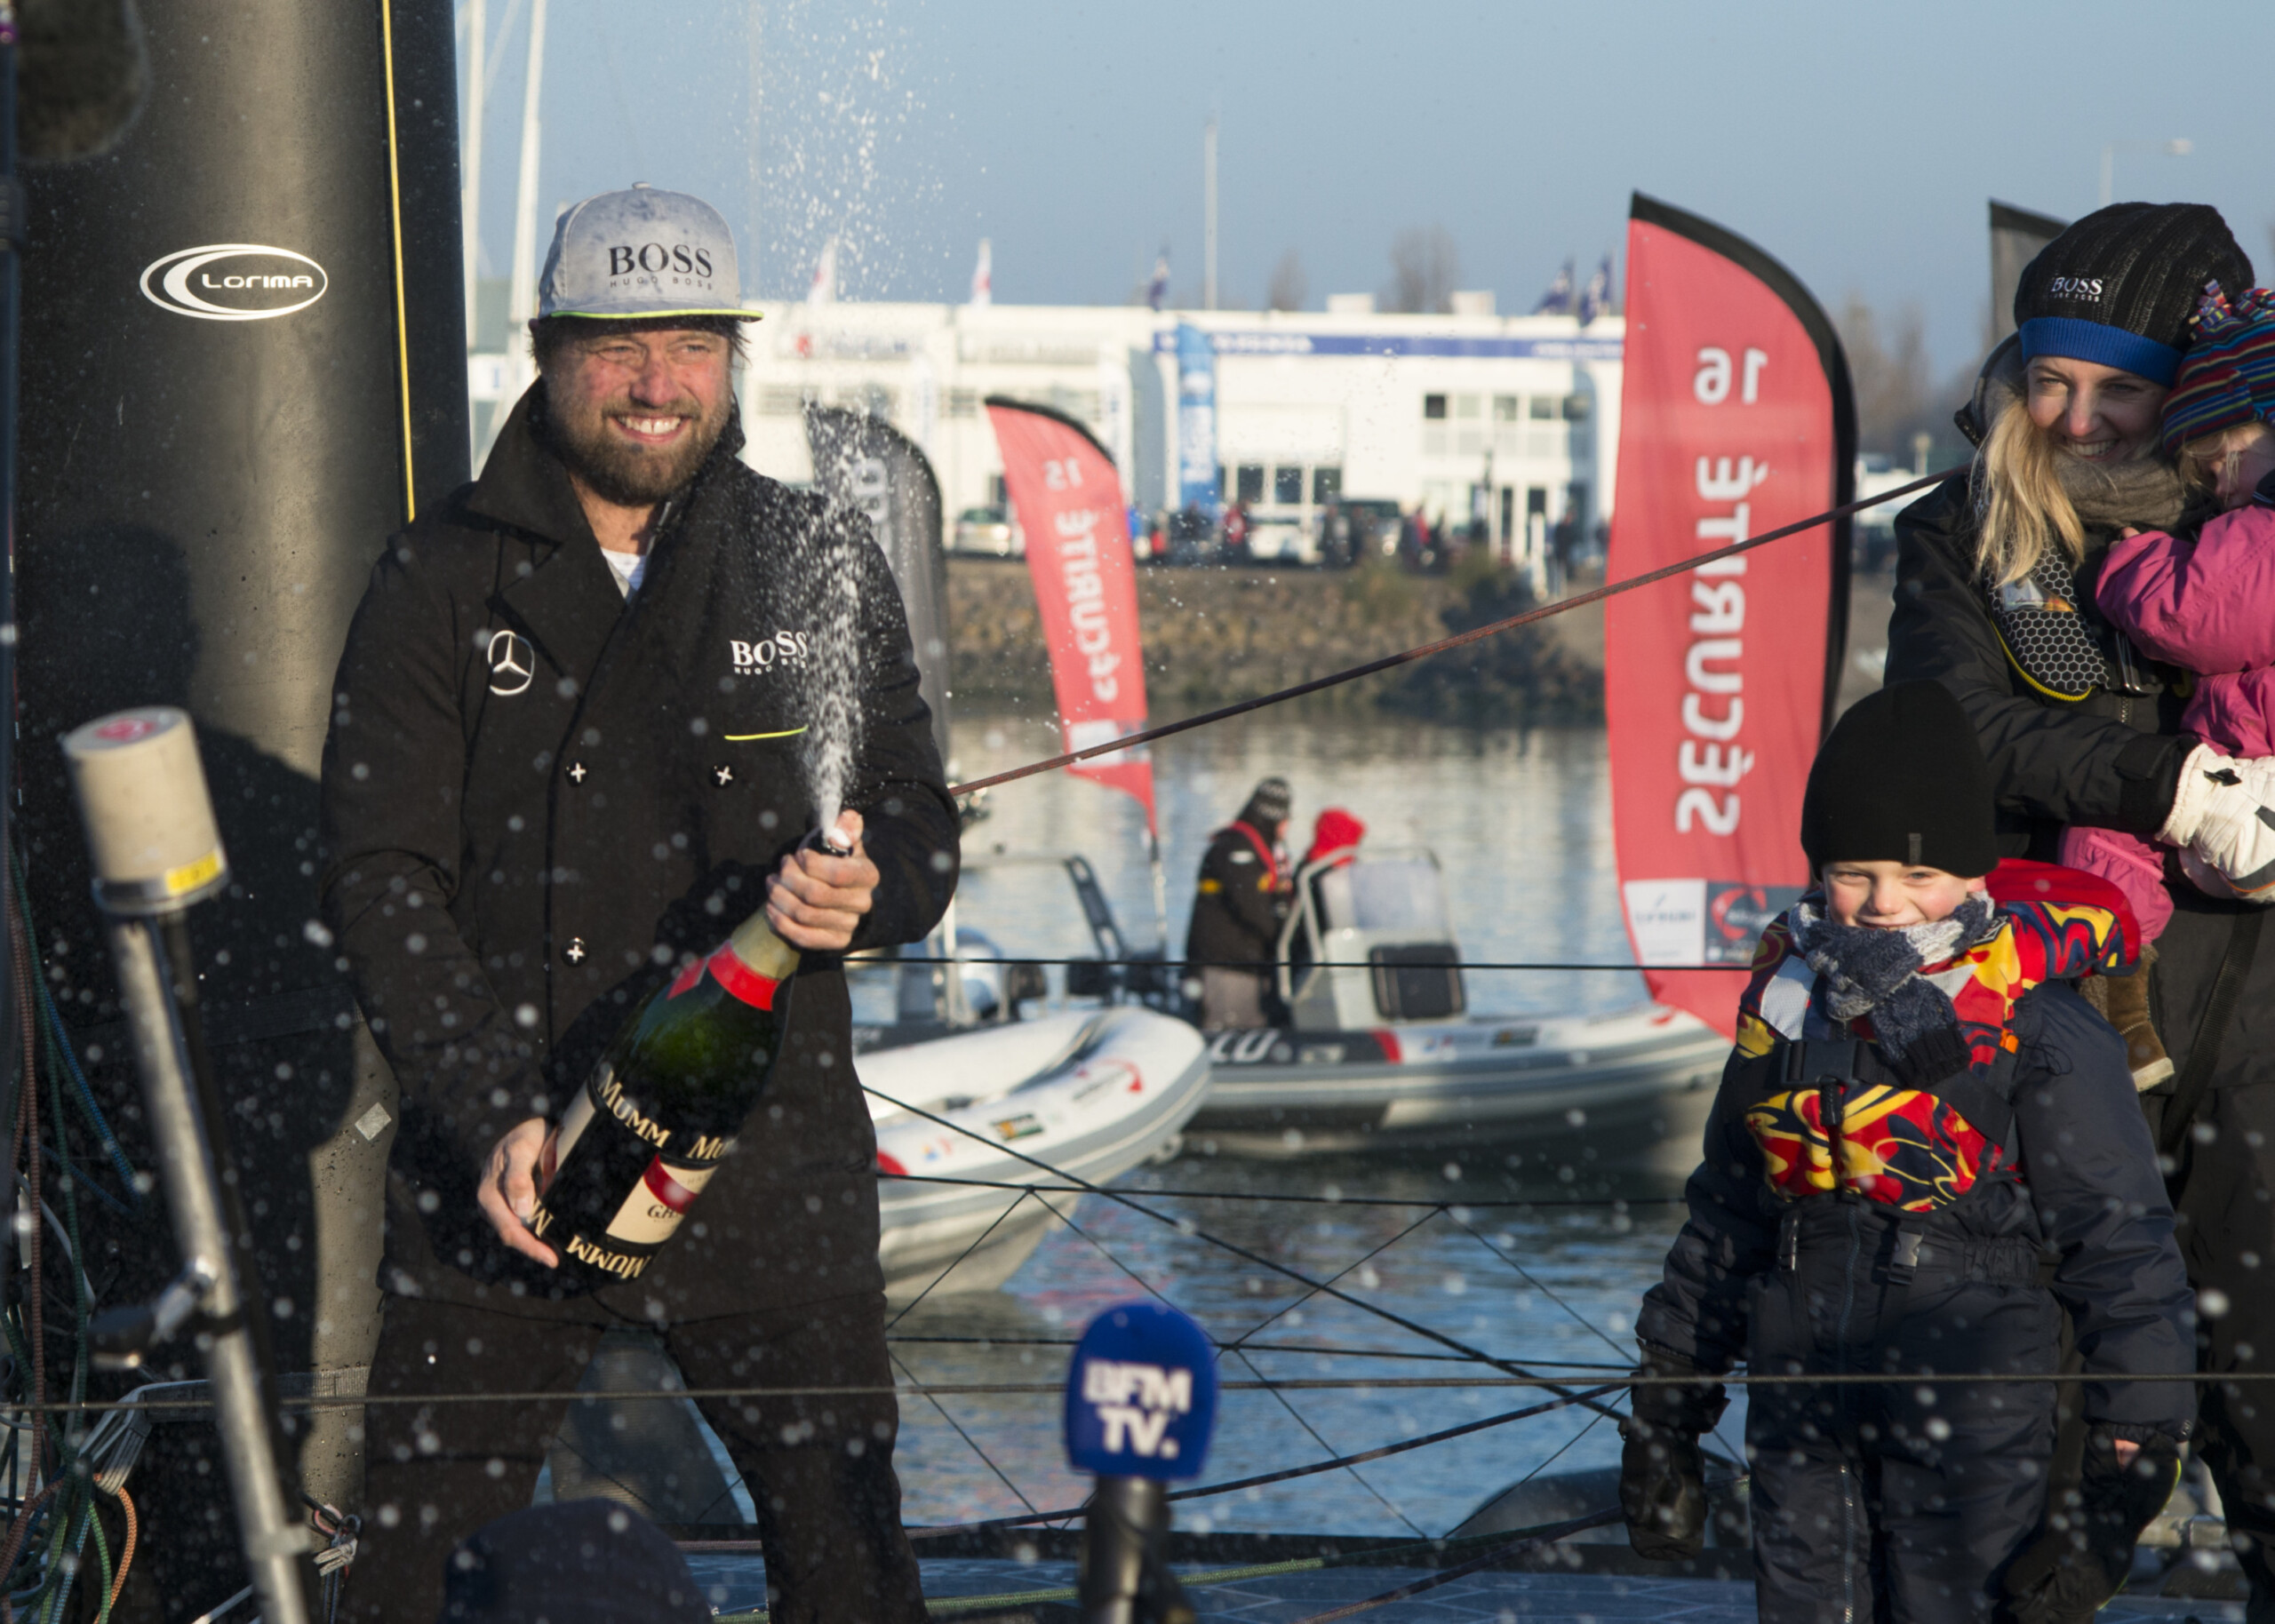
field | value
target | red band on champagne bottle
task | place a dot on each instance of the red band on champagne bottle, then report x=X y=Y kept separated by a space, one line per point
x=741 y=981
x=668 y=1189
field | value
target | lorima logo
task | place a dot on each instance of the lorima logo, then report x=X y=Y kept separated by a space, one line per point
x=233 y=282
x=1135 y=1403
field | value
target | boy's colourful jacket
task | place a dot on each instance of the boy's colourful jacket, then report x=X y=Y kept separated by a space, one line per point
x=2076 y=1175
x=1909 y=1148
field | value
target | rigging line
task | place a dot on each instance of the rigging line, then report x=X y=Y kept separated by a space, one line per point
x=1541 y=1466
x=1234 y=1349
x=1524 y=1275
x=1265 y=1479
x=1609 y=589
x=971 y=1442
x=1357 y=1475
x=1567 y=1386
x=1240 y=1340
x=1558 y=1202
x=958 y=1262
x=1143 y=1284
x=1348 y=1555
x=1314 y=963
x=1442 y=1339
x=1446 y=1576
x=1621 y=1368
x=598 y=1470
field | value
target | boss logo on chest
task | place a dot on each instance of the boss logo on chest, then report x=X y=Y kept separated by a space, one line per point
x=766 y=653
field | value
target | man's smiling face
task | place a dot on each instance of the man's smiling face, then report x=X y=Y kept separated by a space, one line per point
x=637 y=407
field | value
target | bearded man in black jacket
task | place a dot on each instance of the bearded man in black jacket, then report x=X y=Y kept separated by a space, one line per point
x=564 y=762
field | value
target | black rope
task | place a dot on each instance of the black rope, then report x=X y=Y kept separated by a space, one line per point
x=1320 y=1438
x=958 y=1262
x=1264 y=1479
x=1566 y=1386
x=1314 y=963
x=985 y=1343
x=1237 y=1250
x=1609 y=589
x=1615 y=1202
x=1361 y=1262
x=970 y=1441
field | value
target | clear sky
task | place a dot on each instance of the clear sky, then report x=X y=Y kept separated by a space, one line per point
x=1857 y=144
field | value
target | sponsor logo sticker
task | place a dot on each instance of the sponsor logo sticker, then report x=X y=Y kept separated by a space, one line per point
x=233 y=282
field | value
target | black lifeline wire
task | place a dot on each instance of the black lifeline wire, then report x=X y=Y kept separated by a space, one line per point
x=1596 y=594
x=1565 y=1388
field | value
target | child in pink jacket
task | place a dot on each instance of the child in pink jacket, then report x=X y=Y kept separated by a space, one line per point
x=2206 y=605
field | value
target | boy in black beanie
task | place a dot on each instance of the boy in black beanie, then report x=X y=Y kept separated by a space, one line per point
x=1919 y=1109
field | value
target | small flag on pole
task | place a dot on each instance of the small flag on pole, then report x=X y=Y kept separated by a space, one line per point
x=823 y=290
x=1158 y=289
x=1557 y=299
x=983 y=275
x=1595 y=298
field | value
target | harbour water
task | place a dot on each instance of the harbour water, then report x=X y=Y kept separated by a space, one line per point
x=1521 y=823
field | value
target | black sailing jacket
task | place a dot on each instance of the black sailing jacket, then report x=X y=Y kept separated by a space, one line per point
x=2111 y=760
x=539 y=799
x=1237 y=908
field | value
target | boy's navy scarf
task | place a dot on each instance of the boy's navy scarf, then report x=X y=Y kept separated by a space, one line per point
x=1863 y=971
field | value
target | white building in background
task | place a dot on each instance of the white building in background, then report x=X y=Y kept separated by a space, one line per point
x=1466 y=414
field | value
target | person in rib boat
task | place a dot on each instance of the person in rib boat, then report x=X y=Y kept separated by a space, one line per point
x=1925 y=1150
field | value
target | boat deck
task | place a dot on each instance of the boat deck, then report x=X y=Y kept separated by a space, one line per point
x=737 y=1583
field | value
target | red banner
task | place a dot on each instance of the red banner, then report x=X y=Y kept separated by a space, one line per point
x=1736 y=416
x=1068 y=499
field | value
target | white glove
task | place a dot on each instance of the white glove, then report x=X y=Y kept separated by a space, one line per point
x=2221 y=815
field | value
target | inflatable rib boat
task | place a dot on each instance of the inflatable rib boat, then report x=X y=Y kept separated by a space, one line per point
x=1092 y=1093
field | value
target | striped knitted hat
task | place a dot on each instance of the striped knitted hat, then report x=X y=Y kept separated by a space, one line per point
x=2228 y=376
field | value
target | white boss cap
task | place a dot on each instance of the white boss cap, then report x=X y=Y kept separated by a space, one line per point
x=639 y=254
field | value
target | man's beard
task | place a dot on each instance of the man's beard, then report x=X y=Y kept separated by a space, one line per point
x=628 y=475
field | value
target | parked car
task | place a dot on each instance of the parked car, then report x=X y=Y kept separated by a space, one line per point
x=990 y=532
x=1376 y=519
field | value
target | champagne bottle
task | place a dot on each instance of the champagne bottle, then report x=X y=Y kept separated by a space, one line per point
x=661 y=1108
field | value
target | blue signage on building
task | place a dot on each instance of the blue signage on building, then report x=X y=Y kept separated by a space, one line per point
x=1279 y=343
x=1196 y=418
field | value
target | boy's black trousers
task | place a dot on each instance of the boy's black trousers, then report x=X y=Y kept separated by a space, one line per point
x=818 y=1470
x=1899 y=1503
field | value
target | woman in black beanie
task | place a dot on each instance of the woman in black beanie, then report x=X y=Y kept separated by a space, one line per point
x=1995 y=600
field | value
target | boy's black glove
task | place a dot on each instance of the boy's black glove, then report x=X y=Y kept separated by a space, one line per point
x=1662 y=1475
x=2083 y=1555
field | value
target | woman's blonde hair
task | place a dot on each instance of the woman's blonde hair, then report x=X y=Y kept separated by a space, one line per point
x=2023 y=500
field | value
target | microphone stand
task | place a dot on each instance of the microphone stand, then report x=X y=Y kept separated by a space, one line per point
x=1125 y=1579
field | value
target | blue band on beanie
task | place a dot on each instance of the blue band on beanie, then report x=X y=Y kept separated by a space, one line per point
x=2097 y=341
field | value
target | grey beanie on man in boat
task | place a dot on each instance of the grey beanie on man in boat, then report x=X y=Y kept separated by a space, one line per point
x=573 y=1562
x=1268 y=805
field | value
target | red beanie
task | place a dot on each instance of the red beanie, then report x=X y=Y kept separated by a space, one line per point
x=1335 y=830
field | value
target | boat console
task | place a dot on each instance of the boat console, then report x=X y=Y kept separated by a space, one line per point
x=1368 y=942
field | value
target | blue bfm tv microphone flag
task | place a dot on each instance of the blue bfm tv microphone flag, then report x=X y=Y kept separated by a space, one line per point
x=1141 y=1401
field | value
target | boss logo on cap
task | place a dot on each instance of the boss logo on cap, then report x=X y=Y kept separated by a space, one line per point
x=624 y=258
x=2075 y=286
